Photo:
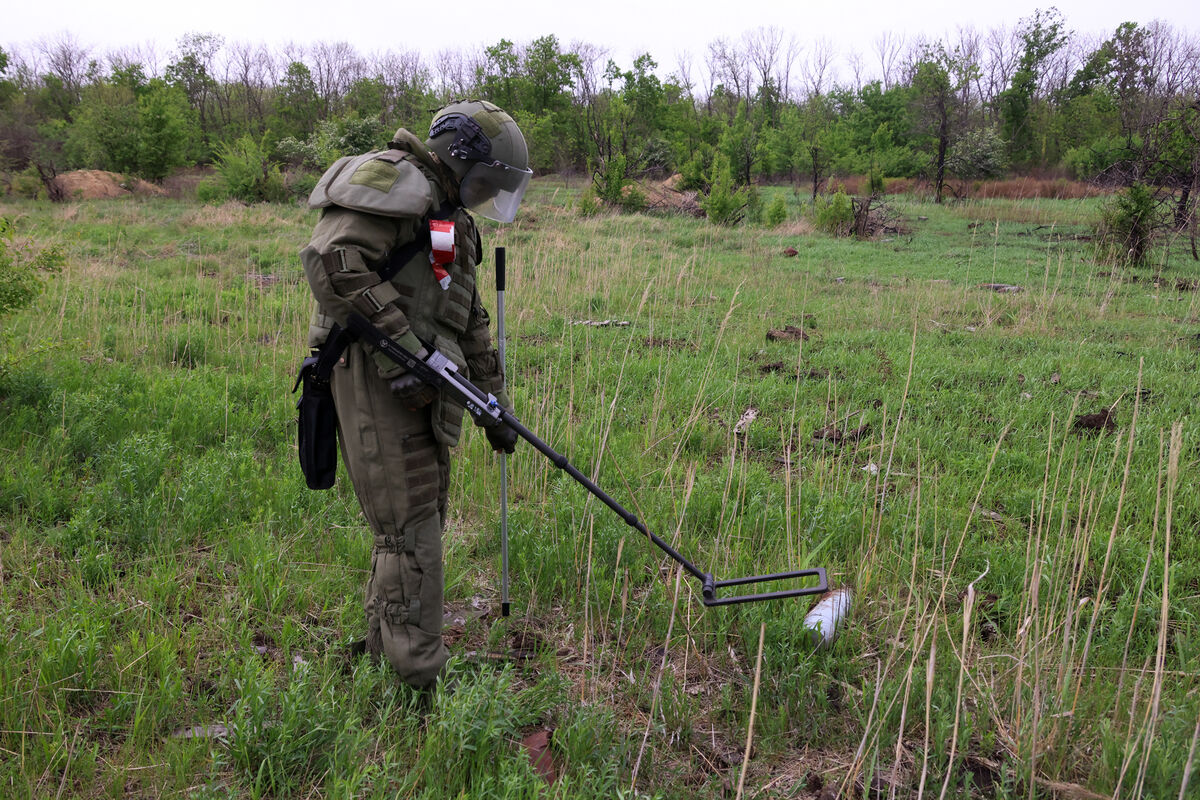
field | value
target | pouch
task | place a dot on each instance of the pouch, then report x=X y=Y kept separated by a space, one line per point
x=317 y=432
x=448 y=412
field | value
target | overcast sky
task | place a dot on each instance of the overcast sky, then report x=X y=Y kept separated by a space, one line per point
x=666 y=30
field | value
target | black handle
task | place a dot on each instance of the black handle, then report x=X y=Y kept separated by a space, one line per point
x=499 y=269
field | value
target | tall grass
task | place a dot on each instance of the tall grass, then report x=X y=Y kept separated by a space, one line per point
x=1024 y=622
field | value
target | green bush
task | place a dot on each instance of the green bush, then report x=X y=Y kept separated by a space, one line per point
x=777 y=211
x=27 y=184
x=332 y=140
x=723 y=204
x=834 y=215
x=20 y=280
x=589 y=204
x=244 y=172
x=1128 y=223
x=609 y=181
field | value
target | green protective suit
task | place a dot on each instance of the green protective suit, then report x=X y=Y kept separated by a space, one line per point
x=397 y=458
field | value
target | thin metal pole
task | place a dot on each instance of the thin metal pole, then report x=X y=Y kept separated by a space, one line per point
x=504 y=604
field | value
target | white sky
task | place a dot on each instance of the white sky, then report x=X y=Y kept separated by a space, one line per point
x=666 y=30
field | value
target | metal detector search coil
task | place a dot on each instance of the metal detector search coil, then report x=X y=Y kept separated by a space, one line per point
x=438 y=370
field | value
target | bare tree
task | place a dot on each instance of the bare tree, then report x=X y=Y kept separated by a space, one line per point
x=453 y=76
x=408 y=81
x=123 y=58
x=888 y=46
x=816 y=68
x=250 y=69
x=335 y=67
x=763 y=46
x=858 y=66
x=728 y=65
x=68 y=61
x=683 y=73
x=1003 y=52
x=969 y=48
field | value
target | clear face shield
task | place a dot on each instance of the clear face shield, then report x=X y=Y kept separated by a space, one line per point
x=494 y=189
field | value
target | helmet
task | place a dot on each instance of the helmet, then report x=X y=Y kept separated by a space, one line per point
x=485 y=150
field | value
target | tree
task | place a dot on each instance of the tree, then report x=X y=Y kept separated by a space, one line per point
x=126 y=126
x=547 y=76
x=937 y=82
x=296 y=108
x=191 y=72
x=1042 y=36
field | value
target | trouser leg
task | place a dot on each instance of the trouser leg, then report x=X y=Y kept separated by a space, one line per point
x=400 y=475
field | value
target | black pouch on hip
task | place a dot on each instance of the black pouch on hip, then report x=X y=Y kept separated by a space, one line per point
x=317 y=415
x=317 y=418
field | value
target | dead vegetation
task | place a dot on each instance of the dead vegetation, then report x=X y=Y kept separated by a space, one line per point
x=666 y=197
x=95 y=184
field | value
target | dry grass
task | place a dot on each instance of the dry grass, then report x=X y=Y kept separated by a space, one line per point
x=1020 y=188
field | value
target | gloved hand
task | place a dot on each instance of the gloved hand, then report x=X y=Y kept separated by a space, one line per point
x=502 y=438
x=412 y=391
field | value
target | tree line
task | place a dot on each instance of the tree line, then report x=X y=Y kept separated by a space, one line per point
x=1037 y=98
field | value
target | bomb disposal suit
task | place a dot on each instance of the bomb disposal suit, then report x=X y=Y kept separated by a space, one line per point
x=395 y=243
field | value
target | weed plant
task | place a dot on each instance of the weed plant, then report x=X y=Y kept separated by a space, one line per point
x=1024 y=622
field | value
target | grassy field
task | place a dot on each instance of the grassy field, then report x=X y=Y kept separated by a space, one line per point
x=1026 y=592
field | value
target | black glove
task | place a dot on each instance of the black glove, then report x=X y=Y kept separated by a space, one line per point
x=412 y=391
x=502 y=438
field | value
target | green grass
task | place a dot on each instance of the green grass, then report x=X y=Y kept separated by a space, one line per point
x=1025 y=596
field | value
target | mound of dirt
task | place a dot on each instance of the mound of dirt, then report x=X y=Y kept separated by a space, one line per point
x=94 y=184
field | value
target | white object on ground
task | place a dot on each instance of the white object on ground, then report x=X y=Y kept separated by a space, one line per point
x=823 y=621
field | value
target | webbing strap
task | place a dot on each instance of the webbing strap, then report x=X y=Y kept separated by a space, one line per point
x=335 y=344
x=397 y=257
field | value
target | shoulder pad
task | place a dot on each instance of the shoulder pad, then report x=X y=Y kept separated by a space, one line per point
x=386 y=183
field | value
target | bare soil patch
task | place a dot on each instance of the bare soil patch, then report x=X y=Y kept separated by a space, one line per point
x=95 y=184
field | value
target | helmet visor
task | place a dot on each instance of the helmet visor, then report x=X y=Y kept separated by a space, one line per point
x=494 y=189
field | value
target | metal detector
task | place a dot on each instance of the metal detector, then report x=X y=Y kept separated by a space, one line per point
x=438 y=370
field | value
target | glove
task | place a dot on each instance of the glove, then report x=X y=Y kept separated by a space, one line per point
x=412 y=391
x=502 y=438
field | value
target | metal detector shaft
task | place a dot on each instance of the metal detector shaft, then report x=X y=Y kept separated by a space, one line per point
x=438 y=370
x=504 y=604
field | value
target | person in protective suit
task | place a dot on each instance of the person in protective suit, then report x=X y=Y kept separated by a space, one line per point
x=395 y=243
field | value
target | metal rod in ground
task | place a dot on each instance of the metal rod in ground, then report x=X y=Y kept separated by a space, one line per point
x=500 y=280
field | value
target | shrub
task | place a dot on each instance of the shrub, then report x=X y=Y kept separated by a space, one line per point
x=755 y=211
x=978 y=154
x=589 y=204
x=723 y=204
x=244 y=172
x=777 y=211
x=609 y=182
x=834 y=215
x=330 y=141
x=20 y=281
x=1127 y=226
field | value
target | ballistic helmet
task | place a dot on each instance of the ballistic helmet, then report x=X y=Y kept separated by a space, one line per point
x=485 y=150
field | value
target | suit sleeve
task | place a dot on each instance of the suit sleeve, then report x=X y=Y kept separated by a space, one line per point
x=336 y=262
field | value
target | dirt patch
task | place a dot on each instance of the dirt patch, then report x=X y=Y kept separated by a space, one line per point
x=789 y=333
x=94 y=184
